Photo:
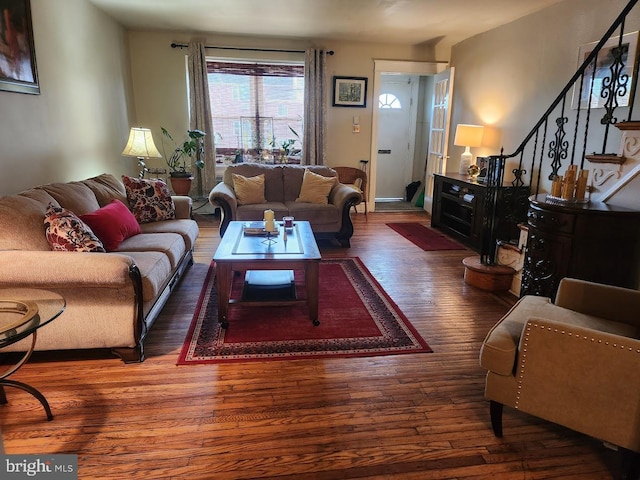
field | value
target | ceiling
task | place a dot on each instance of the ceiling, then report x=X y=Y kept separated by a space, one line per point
x=410 y=22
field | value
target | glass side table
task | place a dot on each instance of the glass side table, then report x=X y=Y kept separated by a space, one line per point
x=22 y=312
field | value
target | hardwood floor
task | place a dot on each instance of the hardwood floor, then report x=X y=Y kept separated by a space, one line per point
x=419 y=416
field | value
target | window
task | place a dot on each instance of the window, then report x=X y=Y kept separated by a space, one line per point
x=388 y=100
x=255 y=107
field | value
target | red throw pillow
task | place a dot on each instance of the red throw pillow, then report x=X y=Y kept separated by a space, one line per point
x=112 y=224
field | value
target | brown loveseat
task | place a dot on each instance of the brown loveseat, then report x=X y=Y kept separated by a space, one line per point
x=112 y=297
x=282 y=186
x=574 y=362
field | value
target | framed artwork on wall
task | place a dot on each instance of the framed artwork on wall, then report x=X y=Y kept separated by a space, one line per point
x=604 y=66
x=350 y=92
x=18 y=72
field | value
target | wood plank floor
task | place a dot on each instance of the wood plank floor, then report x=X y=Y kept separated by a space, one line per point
x=419 y=416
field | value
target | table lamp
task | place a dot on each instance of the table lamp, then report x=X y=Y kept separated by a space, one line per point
x=141 y=146
x=467 y=136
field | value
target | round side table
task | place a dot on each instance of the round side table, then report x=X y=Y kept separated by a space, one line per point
x=22 y=312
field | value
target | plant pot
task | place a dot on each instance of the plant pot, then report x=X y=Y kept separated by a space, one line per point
x=181 y=185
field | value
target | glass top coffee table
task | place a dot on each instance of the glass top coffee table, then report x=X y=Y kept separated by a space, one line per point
x=290 y=249
x=22 y=312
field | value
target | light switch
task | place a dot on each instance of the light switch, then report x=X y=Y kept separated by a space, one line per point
x=356 y=120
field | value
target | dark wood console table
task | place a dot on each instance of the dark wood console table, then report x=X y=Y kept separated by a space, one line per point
x=594 y=241
x=458 y=208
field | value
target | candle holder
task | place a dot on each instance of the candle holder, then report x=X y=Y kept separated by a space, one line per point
x=270 y=240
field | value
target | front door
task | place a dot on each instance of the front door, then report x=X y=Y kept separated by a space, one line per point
x=396 y=134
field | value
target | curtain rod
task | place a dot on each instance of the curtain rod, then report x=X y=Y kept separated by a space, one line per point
x=246 y=49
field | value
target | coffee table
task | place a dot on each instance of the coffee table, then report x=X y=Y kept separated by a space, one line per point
x=22 y=312
x=297 y=250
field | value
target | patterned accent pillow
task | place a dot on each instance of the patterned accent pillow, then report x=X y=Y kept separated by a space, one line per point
x=67 y=233
x=149 y=200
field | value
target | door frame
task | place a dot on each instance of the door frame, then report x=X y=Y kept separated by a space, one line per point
x=391 y=66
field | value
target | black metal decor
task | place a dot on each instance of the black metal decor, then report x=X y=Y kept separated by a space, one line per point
x=534 y=148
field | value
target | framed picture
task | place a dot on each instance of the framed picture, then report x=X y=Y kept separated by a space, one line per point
x=350 y=92
x=18 y=72
x=603 y=65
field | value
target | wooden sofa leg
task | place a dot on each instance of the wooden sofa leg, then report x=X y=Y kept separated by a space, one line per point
x=130 y=355
x=495 y=410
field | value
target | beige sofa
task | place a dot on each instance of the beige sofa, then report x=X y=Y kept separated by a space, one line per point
x=574 y=362
x=282 y=186
x=113 y=297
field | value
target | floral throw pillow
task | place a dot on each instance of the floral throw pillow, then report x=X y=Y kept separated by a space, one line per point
x=67 y=233
x=149 y=200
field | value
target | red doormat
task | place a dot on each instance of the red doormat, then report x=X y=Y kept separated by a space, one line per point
x=357 y=318
x=424 y=237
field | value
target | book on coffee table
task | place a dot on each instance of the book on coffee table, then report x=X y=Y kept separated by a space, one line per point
x=256 y=228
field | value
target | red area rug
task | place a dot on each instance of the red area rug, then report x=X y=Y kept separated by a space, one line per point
x=424 y=237
x=357 y=318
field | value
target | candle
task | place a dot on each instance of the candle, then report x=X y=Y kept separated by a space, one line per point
x=581 y=187
x=269 y=221
x=569 y=183
x=556 y=186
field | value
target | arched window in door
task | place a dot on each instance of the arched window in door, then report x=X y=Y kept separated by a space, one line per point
x=388 y=100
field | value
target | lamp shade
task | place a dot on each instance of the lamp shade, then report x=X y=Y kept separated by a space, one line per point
x=468 y=135
x=140 y=144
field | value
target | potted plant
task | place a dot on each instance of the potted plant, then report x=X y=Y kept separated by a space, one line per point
x=287 y=147
x=189 y=152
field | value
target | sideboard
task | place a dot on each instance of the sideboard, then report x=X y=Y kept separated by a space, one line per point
x=593 y=241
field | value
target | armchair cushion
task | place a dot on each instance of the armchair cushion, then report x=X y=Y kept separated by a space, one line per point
x=249 y=190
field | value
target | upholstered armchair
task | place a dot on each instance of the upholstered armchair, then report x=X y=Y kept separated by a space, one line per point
x=574 y=362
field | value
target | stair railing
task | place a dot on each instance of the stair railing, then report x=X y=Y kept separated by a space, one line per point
x=575 y=134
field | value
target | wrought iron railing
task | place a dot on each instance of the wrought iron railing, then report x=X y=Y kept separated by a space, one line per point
x=565 y=132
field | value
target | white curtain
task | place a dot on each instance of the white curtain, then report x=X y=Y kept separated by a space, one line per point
x=315 y=107
x=200 y=116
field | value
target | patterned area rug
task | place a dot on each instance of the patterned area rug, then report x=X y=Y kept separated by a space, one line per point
x=424 y=237
x=357 y=318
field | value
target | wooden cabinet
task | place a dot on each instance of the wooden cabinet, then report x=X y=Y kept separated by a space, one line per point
x=595 y=241
x=458 y=208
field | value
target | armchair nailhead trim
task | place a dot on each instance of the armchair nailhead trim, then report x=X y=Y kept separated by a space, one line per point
x=525 y=345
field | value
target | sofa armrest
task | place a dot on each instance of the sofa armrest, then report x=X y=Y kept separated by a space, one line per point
x=342 y=194
x=223 y=193
x=183 y=206
x=42 y=269
x=582 y=378
x=223 y=196
x=604 y=301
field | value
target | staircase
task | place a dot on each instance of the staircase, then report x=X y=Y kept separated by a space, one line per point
x=589 y=126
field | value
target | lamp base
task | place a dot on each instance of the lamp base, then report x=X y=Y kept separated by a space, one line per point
x=465 y=160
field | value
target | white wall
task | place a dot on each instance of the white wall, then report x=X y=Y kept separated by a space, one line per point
x=78 y=124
